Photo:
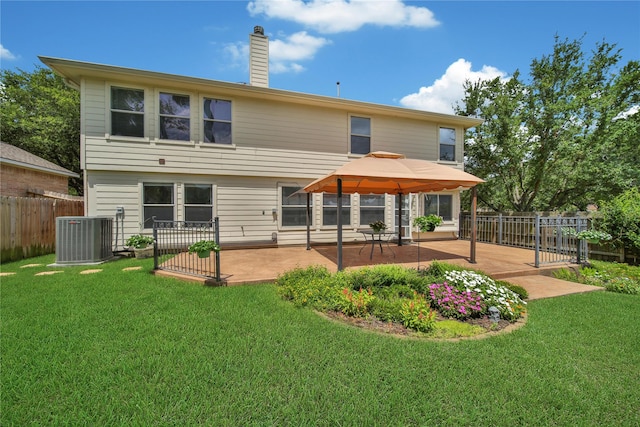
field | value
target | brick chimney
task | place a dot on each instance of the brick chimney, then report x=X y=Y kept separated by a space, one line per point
x=258 y=58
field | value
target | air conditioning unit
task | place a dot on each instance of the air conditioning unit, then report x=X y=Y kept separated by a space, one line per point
x=83 y=239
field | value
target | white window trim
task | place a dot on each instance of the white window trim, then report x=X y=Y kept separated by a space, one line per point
x=107 y=115
x=359 y=223
x=192 y=111
x=361 y=116
x=455 y=145
x=333 y=227
x=313 y=220
x=141 y=184
x=201 y=141
x=214 y=201
x=454 y=205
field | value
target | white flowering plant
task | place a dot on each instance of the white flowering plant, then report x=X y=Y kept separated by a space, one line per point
x=509 y=303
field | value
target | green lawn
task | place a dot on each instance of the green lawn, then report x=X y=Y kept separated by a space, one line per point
x=126 y=347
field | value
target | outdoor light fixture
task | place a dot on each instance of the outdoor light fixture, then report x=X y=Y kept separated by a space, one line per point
x=494 y=314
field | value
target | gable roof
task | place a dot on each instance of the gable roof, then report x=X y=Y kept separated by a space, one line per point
x=12 y=155
x=74 y=71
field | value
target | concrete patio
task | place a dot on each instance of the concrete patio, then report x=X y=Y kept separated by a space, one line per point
x=251 y=266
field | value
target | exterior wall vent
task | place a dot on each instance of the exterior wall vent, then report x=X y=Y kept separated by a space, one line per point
x=83 y=240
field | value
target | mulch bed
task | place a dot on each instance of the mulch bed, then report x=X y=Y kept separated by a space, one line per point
x=393 y=328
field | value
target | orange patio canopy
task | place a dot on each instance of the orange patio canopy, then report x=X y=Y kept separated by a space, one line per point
x=381 y=172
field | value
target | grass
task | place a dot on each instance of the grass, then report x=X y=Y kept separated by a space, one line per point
x=126 y=347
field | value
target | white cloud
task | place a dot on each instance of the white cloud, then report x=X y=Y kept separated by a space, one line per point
x=6 y=54
x=448 y=89
x=626 y=114
x=285 y=54
x=334 y=16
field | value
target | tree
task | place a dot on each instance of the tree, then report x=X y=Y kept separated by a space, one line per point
x=565 y=139
x=41 y=115
x=620 y=217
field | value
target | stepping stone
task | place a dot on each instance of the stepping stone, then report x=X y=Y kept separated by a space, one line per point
x=48 y=273
x=97 y=270
x=31 y=265
x=132 y=268
x=7 y=274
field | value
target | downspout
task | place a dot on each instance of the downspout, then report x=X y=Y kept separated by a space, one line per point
x=308 y=221
x=339 y=224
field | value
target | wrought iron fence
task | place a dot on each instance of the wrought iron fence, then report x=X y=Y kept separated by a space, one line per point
x=547 y=235
x=172 y=240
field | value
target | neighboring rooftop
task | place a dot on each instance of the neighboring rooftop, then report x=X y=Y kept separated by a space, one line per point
x=12 y=155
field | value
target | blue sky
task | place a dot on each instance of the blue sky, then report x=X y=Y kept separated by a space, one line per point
x=415 y=54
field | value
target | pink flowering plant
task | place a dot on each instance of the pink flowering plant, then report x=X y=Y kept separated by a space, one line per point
x=509 y=303
x=452 y=302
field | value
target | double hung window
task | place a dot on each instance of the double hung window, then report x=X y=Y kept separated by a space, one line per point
x=371 y=209
x=158 y=200
x=175 y=117
x=360 y=135
x=198 y=202
x=439 y=204
x=217 y=121
x=293 y=207
x=330 y=210
x=127 y=112
x=447 y=139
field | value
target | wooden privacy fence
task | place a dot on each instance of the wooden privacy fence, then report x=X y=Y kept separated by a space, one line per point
x=29 y=225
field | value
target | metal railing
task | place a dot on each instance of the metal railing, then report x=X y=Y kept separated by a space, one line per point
x=546 y=235
x=172 y=240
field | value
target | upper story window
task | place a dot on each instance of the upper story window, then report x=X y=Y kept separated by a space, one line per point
x=447 y=144
x=330 y=209
x=371 y=209
x=439 y=204
x=174 y=117
x=198 y=202
x=294 y=207
x=127 y=112
x=217 y=121
x=158 y=201
x=360 y=135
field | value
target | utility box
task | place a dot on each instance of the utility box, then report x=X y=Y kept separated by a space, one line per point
x=83 y=239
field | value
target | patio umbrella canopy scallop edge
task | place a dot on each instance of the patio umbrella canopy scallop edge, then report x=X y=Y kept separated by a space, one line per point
x=383 y=172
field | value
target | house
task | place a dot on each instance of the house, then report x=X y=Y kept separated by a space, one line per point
x=23 y=174
x=187 y=149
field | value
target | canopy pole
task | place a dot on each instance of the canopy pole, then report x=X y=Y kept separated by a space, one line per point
x=399 y=219
x=339 y=223
x=308 y=221
x=474 y=201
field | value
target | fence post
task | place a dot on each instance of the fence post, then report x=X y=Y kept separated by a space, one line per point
x=217 y=253
x=537 y=237
x=578 y=242
x=155 y=244
x=500 y=228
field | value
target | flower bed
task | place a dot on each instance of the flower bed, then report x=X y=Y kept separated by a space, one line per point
x=407 y=297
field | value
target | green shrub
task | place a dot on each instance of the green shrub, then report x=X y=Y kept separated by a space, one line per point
x=139 y=241
x=623 y=285
x=356 y=304
x=387 y=309
x=565 y=274
x=417 y=314
x=380 y=276
x=312 y=286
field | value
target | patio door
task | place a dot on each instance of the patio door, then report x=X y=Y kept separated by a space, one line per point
x=405 y=229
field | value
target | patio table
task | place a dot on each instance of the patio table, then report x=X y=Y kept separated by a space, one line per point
x=378 y=237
